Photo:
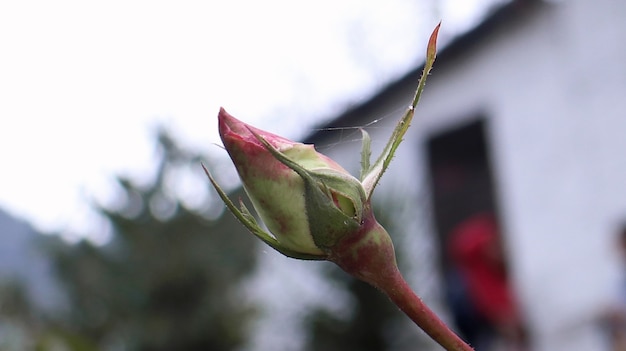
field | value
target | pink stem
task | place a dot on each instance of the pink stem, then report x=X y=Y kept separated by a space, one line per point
x=403 y=296
x=369 y=255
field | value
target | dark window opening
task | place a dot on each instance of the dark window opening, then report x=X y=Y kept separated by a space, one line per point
x=466 y=221
x=461 y=179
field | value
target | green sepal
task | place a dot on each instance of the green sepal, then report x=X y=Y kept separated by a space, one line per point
x=247 y=219
x=345 y=185
x=327 y=223
x=370 y=180
x=366 y=154
x=375 y=172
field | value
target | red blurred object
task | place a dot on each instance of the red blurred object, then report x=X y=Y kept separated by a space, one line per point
x=476 y=250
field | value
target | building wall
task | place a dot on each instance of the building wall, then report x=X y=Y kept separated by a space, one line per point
x=553 y=87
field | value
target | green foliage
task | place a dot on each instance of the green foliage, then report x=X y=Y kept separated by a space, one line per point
x=162 y=282
x=365 y=330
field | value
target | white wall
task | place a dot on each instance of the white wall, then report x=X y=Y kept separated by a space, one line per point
x=554 y=89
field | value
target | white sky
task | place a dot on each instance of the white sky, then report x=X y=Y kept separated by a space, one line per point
x=82 y=84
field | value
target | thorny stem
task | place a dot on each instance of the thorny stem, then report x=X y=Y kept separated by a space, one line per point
x=399 y=291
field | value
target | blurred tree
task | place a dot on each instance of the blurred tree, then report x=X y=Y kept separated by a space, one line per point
x=169 y=277
x=366 y=328
x=16 y=316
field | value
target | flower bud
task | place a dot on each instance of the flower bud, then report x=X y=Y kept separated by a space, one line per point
x=307 y=201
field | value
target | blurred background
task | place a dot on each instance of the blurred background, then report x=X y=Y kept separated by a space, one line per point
x=506 y=202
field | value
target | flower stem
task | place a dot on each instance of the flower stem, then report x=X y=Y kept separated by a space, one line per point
x=369 y=256
x=397 y=289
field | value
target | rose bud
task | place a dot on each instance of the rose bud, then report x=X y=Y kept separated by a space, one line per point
x=307 y=201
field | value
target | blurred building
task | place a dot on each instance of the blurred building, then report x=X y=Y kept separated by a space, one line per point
x=524 y=116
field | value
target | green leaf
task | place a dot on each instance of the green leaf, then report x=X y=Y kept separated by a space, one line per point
x=370 y=180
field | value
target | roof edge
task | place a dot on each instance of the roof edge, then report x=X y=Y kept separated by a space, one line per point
x=499 y=18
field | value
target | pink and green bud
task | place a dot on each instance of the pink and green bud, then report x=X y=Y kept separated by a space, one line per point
x=313 y=208
x=306 y=200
